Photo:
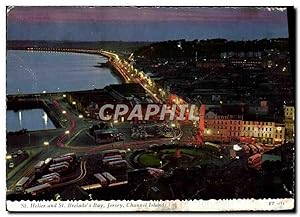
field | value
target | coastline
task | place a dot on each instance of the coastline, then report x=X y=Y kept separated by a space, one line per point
x=114 y=71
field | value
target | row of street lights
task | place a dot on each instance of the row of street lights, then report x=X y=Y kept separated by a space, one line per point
x=142 y=75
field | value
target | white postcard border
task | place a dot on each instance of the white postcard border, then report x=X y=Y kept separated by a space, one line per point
x=153 y=206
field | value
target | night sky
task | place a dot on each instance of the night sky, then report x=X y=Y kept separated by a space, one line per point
x=144 y=24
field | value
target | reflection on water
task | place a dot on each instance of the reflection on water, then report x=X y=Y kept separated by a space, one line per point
x=37 y=72
x=34 y=119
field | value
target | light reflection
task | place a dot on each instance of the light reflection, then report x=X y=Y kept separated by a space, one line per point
x=20 y=118
x=45 y=117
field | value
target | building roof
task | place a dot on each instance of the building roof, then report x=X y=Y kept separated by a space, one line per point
x=228 y=110
x=263 y=118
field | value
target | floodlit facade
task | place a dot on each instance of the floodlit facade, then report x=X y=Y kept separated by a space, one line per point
x=225 y=128
x=289 y=120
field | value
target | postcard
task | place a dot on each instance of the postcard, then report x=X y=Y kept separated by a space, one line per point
x=150 y=109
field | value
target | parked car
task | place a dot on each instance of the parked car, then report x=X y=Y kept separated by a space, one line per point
x=11 y=165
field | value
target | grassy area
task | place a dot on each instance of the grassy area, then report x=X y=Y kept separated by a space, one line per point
x=188 y=151
x=202 y=158
x=149 y=159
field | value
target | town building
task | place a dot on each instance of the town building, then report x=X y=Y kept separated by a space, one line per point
x=289 y=120
x=225 y=128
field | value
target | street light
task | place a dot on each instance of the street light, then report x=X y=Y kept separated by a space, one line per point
x=46 y=143
x=160 y=164
x=64 y=95
x=80 y=116
x=67 y=132
x=74 y=103
x=64 y=112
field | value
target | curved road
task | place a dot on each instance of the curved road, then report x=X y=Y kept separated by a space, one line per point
x=82 y=174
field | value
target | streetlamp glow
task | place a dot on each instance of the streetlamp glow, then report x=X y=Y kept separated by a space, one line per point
x=80 y=116
x=67 y=132
x=74 y=103
x=46 y=143
x=64 y=112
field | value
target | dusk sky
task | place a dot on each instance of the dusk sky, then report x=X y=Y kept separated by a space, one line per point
x=144 y=24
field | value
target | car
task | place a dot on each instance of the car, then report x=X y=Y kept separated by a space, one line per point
x=11 y=165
